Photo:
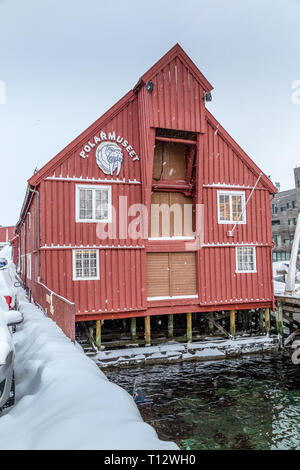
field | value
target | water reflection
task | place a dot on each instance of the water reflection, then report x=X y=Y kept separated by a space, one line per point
x=246 y=403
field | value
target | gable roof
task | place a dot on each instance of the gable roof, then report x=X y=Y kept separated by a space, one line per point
x=176 y=51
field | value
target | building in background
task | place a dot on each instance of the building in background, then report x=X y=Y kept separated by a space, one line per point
x=285 y=209
x=6 y=234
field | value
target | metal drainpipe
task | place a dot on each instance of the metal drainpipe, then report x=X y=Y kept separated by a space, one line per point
x=38 y=231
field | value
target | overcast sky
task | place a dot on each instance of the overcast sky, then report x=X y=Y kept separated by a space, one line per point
x=66 y=62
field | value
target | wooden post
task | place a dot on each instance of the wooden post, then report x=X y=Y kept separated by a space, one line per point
x=232 y=323
x=133 y=328
x=170 y=326
x=189 y=335
x=279 y=322
x=210 y=323
x=261 y=321
x=98 y=334
x=267 y=321
x=147 y=331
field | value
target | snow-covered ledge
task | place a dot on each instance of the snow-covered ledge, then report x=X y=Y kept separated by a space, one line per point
x=64 y=401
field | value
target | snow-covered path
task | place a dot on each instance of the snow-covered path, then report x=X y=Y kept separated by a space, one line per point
x=63 y=400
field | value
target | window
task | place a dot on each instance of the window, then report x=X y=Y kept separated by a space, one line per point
x=275 y=222
x=283 y=208
x=292 y=221
x=231 y=207
x=85 y=265
x=28 y=267
x=245 y=259
x=294 y=205
x=93 y=203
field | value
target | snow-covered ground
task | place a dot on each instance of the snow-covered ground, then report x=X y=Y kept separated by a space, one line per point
x=63 y=400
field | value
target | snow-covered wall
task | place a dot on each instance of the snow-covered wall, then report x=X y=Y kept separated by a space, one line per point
x=63 y=400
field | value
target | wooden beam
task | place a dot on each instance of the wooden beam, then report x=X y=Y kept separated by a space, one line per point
x=133 y=328
x=210 y=323
x=232 y=323
x=279 y=322
x=189 y=335
x=219 y=327
x=98 y=334
x=267 y=321
x=170 y=326
x=147 y=331
x=261 y=321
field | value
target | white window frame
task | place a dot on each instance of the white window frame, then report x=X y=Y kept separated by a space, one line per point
x=237 y=262
x=232 y=193
x=94 y=278
x=28 y=266
x=94 y=187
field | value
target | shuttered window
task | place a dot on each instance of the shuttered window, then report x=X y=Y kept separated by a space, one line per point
x=171 y=215
x=171 y=275
x=169 y=161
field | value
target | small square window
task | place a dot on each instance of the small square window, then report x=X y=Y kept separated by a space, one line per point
x=85 y=265
x=245 y=259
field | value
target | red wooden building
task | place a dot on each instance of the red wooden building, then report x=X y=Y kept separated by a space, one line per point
x=6 y=235
x=85 y=251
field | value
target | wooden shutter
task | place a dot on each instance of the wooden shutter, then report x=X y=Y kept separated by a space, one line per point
x=183 y=277
x=158 y=274
x=172 y=223
x=169 y=161
x=171 y=274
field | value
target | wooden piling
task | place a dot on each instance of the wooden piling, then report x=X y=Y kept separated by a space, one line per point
x=170 y=326
x=210 y=323
x=261 y=321
x=147 y=331
x=98 y=334
x=133 y=328
x=279 y=322
x=189 y=335
x=267 y=321
x=232 y=323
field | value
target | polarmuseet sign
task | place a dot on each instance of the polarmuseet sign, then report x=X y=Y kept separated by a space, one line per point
x=109 y=154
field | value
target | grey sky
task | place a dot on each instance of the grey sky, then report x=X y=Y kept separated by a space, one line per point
x=66 y=62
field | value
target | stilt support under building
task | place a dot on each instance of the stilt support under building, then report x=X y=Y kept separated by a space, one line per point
x=133 y=328
x=267 y=321
x=232 y=323
x=147 y=331
x=98 y=334
x=189 y=336
x=279 y=322
x=170 y=326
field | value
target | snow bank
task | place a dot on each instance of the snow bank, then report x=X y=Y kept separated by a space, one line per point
x=63 y=400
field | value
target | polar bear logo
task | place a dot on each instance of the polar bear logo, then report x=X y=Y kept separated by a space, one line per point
x=109 y=158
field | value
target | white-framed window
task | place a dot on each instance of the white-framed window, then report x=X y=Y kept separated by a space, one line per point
x=86 y=265
x=245 y=259
x=28 y=267
x=231 y=207
x=93 y=203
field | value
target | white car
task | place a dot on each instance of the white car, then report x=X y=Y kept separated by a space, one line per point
x=8 y=318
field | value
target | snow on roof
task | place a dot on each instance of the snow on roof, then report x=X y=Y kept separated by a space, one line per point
x=64 y=401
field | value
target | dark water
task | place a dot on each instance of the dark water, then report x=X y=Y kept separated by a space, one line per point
x=246 y=403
